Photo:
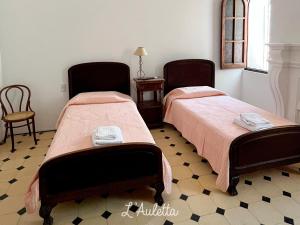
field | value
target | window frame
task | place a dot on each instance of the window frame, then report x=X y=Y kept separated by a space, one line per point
x=232 y=65
x=256 y=70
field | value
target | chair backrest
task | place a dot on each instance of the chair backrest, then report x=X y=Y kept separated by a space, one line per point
x=15 y=98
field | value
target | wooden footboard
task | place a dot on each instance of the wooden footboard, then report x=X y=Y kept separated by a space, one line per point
x=99 y=170
x=263 y=149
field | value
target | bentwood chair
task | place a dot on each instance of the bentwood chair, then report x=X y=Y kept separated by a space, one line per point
x=15 y=105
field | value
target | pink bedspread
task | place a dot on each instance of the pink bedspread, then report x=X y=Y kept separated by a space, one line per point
x=79 y=119
x=205 y=117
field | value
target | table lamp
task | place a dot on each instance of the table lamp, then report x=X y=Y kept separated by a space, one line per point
x=140 y=51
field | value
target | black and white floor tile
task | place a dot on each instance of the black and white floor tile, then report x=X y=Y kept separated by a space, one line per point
x=265 y=197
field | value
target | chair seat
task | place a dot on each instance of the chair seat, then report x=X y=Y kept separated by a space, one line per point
x=18 y=116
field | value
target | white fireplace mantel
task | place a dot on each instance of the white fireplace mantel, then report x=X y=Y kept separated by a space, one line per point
x=284 y=70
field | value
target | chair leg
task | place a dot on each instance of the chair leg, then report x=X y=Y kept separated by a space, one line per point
x=12 y=138
x=6 y=131
x=29 y=130
x=33 y=129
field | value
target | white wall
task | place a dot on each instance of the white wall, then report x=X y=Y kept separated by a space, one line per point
x=1 y=77
x=256 y=90
x=285 y=21
x=40 y=40
x=1 y=86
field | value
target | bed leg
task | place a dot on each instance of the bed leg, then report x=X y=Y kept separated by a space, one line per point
x=232 y=185
x=45 y=212
x=159 y=187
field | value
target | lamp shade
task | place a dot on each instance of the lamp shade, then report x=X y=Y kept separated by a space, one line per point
x=140 y=51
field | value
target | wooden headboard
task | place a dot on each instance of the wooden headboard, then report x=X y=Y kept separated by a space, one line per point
x=99 y=76
x=189 y=72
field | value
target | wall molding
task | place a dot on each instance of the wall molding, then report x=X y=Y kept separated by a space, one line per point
x=284 y=45
x=284 y=77
x=285 y=64
x=274 y=73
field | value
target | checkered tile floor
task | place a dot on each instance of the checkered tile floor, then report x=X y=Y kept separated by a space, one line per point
x=265 y=197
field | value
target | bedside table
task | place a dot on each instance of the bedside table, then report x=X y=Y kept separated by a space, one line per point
x=151 y=110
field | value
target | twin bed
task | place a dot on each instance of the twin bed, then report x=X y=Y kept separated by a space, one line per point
x=205 y=119
x=73 y=169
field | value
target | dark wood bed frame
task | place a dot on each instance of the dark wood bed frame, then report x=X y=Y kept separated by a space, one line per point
x=249 y=152
x=99 y=170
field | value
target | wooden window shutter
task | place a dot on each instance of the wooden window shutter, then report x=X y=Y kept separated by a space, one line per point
x=234 y=35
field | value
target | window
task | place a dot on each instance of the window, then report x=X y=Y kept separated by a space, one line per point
x=258 y=35
x=245 y=33
x=234 y=33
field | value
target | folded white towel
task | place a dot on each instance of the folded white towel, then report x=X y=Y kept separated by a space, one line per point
x=107 y=132
x=250 y=127
x=253 y=119
x=107 y=135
